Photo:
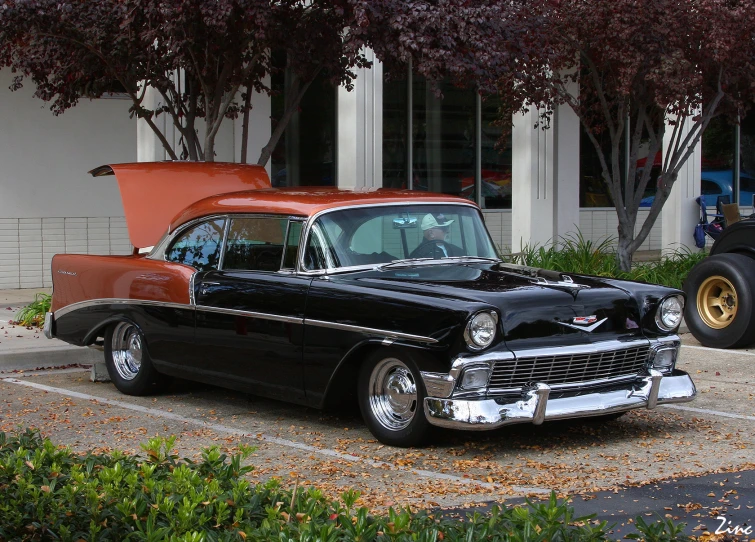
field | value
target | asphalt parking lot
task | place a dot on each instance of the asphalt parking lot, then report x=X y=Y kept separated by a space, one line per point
x=334 y=451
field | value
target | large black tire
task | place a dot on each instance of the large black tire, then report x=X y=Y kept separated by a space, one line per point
x=720 y=301
x=391 y=398
x=128 y=362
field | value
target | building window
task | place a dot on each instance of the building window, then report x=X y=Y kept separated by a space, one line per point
x=305 y=153
x=593 y=191
x=728 y=155
x=447 y=144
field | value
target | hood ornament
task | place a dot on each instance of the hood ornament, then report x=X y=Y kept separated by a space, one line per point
x=584 y=323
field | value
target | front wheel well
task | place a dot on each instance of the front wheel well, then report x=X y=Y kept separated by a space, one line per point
x=342 y=388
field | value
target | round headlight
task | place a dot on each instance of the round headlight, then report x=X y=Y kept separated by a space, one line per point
x=480 y=330
x=669 y=313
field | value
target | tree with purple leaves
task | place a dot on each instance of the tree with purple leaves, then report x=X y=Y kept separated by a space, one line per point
x=204 y=58
x=635 y=72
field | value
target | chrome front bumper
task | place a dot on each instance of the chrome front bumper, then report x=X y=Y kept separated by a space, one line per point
x=535 y=406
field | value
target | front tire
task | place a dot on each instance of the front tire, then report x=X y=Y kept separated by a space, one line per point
x=391 y=398
x=720 y=296
x=128 y=362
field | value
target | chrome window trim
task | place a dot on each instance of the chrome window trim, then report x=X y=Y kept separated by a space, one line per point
x=370 y=331
x=192 y=296
x=223 y=243
x=118 y=301
x=249 y=314
x=311 y=220
x=158 y=253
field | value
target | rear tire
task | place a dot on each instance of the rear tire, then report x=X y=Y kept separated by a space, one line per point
x=128 y=362
x=391 y=398
x=720 y=297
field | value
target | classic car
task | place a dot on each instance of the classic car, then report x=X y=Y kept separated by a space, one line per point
x=398 y=298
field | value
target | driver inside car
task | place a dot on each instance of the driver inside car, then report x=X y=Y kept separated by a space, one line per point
x=434 y=244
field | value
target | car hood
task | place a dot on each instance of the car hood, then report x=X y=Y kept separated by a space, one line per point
x=533 y=312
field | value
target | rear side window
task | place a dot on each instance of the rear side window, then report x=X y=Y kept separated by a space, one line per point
x=255 y=244
x=199 y=246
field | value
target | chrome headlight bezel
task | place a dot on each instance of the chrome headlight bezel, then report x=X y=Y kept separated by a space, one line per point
x=672 y=304
x=472 y=335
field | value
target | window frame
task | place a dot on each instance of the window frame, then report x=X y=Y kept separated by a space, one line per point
x=310 y=230
x=173 y=239
x=288 y=218
x=160 y=251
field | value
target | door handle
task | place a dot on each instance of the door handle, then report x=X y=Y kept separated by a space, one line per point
x=203 y=288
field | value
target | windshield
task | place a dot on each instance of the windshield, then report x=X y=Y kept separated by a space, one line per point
x=384 y=234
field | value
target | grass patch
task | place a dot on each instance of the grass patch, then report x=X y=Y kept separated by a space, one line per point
x=50 y=493
x=33 y=314
x=578 y=255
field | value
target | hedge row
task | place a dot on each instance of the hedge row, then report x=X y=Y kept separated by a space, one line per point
x=51 y=493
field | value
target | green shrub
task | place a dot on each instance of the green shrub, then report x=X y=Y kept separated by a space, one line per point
x=50 y=493
x=34 y=313
x=578 y=255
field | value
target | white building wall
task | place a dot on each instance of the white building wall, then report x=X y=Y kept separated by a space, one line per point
x=48 y=202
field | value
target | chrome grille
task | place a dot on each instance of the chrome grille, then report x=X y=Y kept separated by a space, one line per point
x=569 y=368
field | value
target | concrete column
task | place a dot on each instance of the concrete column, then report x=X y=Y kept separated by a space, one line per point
x=681 y=212
x=533 y=197
x=566 y=189
x=148 y=146
x=359 y=155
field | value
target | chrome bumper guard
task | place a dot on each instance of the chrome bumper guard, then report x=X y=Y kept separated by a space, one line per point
x=47 y=329
x=535 y=406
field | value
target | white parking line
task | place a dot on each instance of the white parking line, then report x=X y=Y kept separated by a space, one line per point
x=711 y=412
x=735 y=352
x=43 y=372
x=274 y=440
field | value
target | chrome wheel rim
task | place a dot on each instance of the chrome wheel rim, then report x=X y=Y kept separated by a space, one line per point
x=127 y=350
x=393 y=394
x=717 y=302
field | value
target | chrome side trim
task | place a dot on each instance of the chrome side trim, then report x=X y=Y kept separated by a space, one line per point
x=116 y=301
x=370 y=331
x=535 y=406
x=250 y=314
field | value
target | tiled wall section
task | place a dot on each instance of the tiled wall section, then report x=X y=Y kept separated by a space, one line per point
x=27 y=245
x=596 y=225
x=499 y=226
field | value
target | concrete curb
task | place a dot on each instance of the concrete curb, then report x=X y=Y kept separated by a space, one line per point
x=45 y=357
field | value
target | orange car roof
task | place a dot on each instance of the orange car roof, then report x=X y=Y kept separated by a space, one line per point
x=303 y=201
x=154 y=192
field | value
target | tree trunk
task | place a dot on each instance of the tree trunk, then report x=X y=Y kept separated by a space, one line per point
x=245 y=124
x=291 y=107
x=624 y=253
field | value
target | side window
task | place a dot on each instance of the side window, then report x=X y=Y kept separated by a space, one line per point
x=255 y=244
x=198 y=247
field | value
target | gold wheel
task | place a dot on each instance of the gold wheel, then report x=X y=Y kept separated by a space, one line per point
x=717 y=302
